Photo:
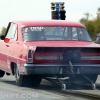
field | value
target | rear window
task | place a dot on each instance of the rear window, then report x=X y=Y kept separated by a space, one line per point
x=54 y=33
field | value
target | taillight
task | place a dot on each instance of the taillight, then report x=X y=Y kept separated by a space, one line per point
x=30 y=56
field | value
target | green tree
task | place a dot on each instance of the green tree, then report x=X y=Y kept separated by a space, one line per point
x=3 y=30
x=98 y=13
x=97 y=25
x=93 y=25
x=90 y=28
x=87 y=15
x=83 y=21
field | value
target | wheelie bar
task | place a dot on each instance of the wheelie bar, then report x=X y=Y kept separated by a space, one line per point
x=93 y=85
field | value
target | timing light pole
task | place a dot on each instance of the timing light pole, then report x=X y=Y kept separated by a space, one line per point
x=58 y=12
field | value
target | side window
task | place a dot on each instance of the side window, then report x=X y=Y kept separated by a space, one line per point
x=66 y=32
x=12 y=32
x=81 y=34
x=74 y=33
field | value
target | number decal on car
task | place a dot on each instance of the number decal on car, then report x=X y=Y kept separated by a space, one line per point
x=36 y=28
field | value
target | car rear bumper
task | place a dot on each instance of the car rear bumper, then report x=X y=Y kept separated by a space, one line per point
x=41 y=69
x=56 y=68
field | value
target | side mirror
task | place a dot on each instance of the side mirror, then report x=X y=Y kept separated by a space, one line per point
x=2 y=37
x=6 y=40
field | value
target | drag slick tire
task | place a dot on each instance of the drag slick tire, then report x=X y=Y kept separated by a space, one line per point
x=2 y=73
x=27 y=80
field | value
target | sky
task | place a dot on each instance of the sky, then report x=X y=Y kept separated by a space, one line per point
x=41 y=10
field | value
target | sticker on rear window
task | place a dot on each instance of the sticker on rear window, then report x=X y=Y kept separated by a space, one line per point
x=36 y=28
x=26 y=29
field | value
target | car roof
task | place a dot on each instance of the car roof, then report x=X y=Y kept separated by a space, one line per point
x=48 y=23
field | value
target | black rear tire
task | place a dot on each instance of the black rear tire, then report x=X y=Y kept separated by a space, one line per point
x=27 y=81
x=2 y=73
x=35 y=80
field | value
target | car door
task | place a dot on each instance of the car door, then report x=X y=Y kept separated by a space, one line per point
x=3 y=55
x=6 y=48
x=13 y=46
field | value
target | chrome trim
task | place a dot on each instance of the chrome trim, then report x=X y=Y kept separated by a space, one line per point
x=90 y=58
x=48 y=65
x=60 y=57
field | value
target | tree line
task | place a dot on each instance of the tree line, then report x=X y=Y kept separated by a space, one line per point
x=93 y=25
x=3 y=30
